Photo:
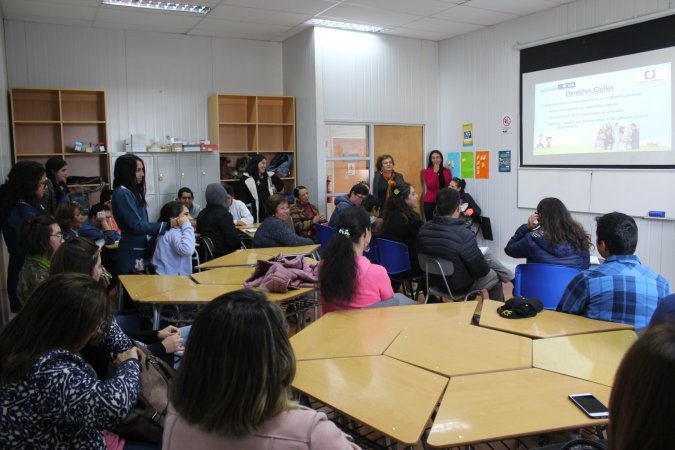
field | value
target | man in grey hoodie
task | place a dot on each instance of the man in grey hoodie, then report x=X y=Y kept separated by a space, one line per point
x=215 y=221
x=356 y=195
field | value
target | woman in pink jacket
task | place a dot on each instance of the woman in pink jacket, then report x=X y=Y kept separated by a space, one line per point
x=347 y=279
x=235 y=395
x=436 y=177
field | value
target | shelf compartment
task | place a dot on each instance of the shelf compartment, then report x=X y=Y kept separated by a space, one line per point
x=237 y=138
x=91 y=132
x=37 y=139
x=35 y=105
x=276 y=138
x=83 y=106
x=276 y=110
x=236 y=108
x=88 y=165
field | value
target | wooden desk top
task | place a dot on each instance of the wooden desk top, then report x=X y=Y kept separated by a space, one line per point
x=383 y=393
x=461 y=349
x=246 y=257
x=545 y=324
x=594 y=357
x=337 y=336
x=197 y=293
x=140 y=286
x=223 y=275
x=500 y=405
x=300 y=250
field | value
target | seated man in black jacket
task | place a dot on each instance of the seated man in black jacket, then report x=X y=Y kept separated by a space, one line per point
x=215 y=221
x=446 y=236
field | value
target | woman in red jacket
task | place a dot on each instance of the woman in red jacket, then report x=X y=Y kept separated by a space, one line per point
x=436 y=177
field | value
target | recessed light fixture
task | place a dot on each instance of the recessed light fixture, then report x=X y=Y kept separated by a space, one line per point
x=344 y=25
x=161 y=6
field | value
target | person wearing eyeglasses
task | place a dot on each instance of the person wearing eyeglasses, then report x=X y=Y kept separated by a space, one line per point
x=39 y=237
x=384 y=179
x=19 y=200
x=356 y=195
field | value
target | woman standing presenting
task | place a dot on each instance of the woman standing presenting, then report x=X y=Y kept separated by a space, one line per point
x=384 y=179
x=436 y=177
x=56 y=191
x=128 y=205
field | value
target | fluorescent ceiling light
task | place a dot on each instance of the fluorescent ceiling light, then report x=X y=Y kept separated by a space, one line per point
x=344 y=25
x=161 y=6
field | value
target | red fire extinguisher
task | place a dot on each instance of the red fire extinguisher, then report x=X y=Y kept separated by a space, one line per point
x=329 y=189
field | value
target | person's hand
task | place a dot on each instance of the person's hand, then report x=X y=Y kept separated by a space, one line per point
x=168 y=331
x=318 y=218
x=533 y=221
x=131 y=353
x=103 y=220
x=173 y=343
x=437 y=167
x=240 y=223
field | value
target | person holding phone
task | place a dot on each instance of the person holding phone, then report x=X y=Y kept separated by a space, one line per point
x=551 y=236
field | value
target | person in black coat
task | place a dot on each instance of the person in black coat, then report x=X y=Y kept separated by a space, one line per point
x=215 y=221
x=446 y=236
x=400 y=221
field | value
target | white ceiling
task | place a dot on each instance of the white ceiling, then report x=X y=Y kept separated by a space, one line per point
x=277 y=20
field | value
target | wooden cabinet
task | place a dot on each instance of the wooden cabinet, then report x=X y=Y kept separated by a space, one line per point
x=47 y=122
x=243 y=125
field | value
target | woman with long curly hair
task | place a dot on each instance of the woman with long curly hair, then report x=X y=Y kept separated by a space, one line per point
x=400 y=221
x=551 y=236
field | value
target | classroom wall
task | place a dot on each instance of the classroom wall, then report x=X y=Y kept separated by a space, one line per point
x=364 y=78
x=479 y=83
x=157 y=84
x=5 y=164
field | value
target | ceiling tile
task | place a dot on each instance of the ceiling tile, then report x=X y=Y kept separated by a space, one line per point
x=239 y=27
x=520 y=7
x=417 y=34
x=418 y=7
x=295 y=6
x=477 y=16
x=443 y=26
x=224 y=12
x=367 y=16
x=141 y=27
x=51 y=20
x=46 y=9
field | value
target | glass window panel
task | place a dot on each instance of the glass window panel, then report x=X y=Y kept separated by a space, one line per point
x=347 y=141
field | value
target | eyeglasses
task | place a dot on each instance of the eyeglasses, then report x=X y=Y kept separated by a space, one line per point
x=361 y=196
x=58 y=235
x=44 y=183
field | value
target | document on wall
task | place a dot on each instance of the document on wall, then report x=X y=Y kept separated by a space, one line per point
x=149 y=175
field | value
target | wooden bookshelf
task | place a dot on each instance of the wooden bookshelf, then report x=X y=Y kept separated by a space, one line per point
x=47 y=122
x=243 y=125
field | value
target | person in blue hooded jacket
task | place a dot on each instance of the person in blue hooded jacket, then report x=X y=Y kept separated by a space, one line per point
x=551 y=236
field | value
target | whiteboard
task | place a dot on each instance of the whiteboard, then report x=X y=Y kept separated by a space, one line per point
x=630 y=191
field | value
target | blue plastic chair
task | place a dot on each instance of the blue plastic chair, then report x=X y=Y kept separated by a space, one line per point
x=324 y=233
x=547 y=282
x=395 y=258
x=373 y=253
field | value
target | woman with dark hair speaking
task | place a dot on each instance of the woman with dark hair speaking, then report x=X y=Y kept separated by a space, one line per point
x=56 y=191
x=129 y=210
x=436 y=177
x=257 y=184
x=551 y=236
x=49 y=396
x=19 y=200
x=236 y=394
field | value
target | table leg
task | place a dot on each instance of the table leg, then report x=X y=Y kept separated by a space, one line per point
x=316 y=305
x=155 y=316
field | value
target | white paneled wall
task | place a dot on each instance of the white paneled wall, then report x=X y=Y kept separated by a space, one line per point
x=370 y=78
x=157 y=84
x=479 y=82
x=5 y=164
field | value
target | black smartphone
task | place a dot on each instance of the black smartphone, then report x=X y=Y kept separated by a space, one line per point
x=589 y=404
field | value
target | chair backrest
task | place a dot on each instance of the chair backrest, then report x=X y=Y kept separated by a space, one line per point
x=393 y=256
x=204 y=249
x=436 y=266
x=373 y=253
x=486 y=228
x=324 y=233
x=547 y=282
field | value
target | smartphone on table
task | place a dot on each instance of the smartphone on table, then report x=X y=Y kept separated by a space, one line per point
x=589 y=404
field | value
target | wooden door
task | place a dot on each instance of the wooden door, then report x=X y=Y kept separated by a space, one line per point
x=406 y=145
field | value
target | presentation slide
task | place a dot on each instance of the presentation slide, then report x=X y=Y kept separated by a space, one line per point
x=617 y=111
